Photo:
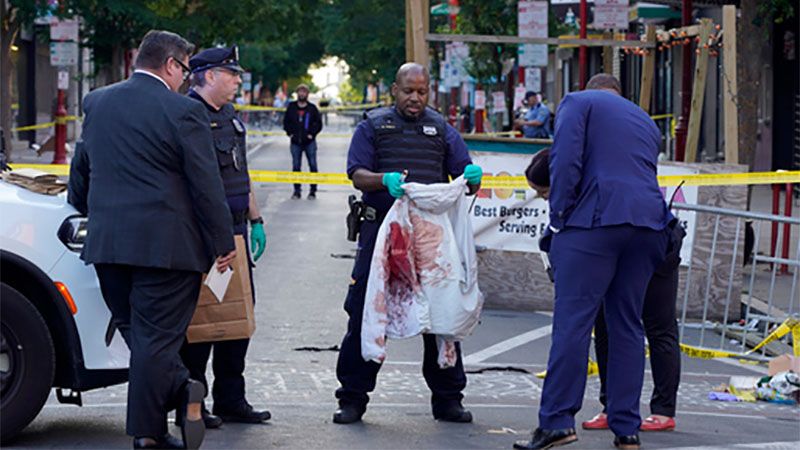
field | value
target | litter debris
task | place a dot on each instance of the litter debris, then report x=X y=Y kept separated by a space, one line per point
x=332 y=348
x=36 y=181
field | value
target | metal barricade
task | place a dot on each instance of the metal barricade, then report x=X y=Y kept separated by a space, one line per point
x=739 y=329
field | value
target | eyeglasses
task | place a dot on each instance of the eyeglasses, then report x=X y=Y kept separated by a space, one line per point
x=187 y=72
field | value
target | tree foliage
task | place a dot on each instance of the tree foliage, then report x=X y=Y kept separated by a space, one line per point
x=368 y=34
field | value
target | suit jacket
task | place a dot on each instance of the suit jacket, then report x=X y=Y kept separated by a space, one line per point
x=146 y=176
x=603 y=164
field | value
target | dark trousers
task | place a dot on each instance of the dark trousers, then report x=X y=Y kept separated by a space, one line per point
x=661 y=330
x=229 y=358
x=356 y=376
x=310 y=150
x=610 y=266
x=152 y=309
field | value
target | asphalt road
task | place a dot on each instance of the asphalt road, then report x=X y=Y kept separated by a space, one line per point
x=301 y=285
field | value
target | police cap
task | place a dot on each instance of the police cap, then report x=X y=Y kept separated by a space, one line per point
x=227 y=57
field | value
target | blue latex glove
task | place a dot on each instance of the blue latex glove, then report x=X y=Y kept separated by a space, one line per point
x=473 y=174
x=258 y=240
x=394 y=182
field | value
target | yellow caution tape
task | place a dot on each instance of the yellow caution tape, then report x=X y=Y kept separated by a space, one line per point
x=661 y=116
x=41 y=126
x=790 y=325
x=323 y=109
x=507 y=182
x=56 y=169
x=268 y=176
x=283 y=133
x=591 y=370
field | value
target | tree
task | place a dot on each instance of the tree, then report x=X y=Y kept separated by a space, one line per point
x=493 y=18
x=368 y=34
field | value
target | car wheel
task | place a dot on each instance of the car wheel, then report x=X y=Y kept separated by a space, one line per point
x=27 y=362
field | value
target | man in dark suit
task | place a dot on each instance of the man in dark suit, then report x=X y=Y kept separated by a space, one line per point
x=609 y=224
x=145 y=174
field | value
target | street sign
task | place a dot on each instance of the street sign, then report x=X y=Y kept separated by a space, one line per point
x=498 y=101
x=64 y=30
x=611 y=14
x=63 y=79
x=532 y=22
x=247 y=79
x=63 y=53
x=533 y=79
x=519 y=96
x=480 y=99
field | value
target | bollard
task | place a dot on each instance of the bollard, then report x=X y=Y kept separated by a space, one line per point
x=60 y=153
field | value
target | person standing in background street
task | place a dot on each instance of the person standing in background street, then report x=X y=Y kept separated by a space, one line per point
x=216 y=77
x=609 y=226
x=302 y=123
x=536 y=123
x=145 y=174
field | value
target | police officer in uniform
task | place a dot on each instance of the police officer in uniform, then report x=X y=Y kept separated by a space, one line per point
x=216 y=77
x=410 y=138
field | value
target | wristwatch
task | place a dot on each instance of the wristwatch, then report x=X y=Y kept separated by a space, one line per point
x=257 y=220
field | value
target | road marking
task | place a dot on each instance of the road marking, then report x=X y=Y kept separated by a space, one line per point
x=379 y=404
x=733 y=362
x=257 y=148
x=508 y=344
x=788 y=445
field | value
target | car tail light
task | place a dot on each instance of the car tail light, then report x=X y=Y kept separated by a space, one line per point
x=72 y=232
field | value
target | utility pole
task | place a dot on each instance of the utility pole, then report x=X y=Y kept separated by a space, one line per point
x=682 y=126
x=582 y=58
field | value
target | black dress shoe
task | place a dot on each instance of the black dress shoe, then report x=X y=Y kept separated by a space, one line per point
x=295 y=196
x=548 y=439
x=627 y=442
x=193 y=429
x=166 y=441
x=244 y=413
x=312 y=195
x=210 y=420
x=348 y=413
x=453 y=413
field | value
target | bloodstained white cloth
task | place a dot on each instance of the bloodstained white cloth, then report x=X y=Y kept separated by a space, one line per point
x=424 y=272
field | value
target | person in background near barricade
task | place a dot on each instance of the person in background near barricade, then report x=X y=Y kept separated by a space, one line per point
x=536 y=123
x=658 y=315
x=145 y=174
x=412 y=138
x=302 y=122
x=609 y=227
x=216 y=76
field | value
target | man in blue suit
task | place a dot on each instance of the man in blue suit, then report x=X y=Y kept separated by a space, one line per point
x=608 y=221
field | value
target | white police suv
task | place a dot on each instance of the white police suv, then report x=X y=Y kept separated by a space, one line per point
x=56 y=331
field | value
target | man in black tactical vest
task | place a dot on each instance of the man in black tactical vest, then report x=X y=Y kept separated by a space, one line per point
x=216 y=77
x=413 y=139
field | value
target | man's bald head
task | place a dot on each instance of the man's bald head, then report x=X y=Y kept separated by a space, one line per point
x=411 y=68
x=410 y=89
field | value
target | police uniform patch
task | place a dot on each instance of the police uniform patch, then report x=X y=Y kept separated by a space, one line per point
x=238 y=125
x=429 y=131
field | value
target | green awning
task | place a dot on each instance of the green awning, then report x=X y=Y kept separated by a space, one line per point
x=650 y=11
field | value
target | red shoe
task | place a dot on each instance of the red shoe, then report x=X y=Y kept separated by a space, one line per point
x=598 y=422
x=652 y=423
